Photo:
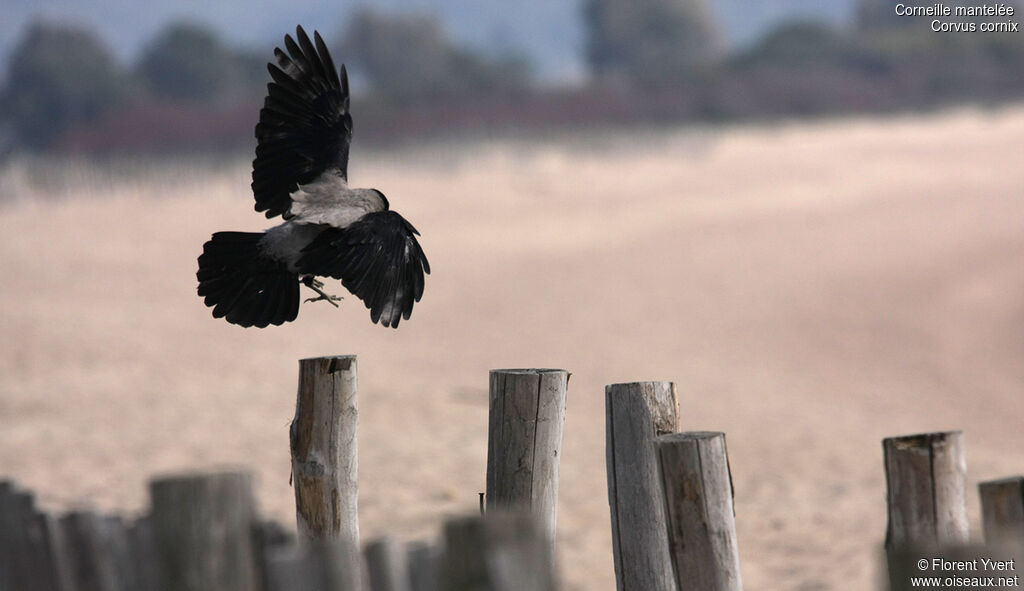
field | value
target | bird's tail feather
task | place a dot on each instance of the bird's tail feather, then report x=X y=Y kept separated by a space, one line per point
x=242 y=285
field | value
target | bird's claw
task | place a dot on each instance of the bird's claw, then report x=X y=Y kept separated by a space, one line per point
x=331 y=299
x=316 y=286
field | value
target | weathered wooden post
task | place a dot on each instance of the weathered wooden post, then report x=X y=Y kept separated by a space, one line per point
x=497 y=552
x=926 y=479
x=635 y=414
x=524 y=441
x=202 y=526
x=695 y=476
x=1002 y=511
x=325 y=463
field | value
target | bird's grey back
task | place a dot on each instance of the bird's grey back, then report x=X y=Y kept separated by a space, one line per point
x=329 y=200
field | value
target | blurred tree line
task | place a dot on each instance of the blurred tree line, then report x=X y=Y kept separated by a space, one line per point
x=64 y=80
x=649 y=60
x=672 y=52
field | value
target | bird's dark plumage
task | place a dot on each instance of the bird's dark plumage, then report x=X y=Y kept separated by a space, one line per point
x=330 y=229
x=378 y=259
x=243 y=286
x=305 y=127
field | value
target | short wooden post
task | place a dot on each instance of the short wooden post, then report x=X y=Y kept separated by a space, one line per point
x=385 y=566
x=926 y=477
x=497 y=552
x=97 y=552
x=1002 y=511
x=423 y=567
x=926 y=480
x=268 y=537
x=317 y=565
x=635 y=414
x=143 y=555
x=695 y=476
x=527 y=412
x=28 y=560
x=202 y=526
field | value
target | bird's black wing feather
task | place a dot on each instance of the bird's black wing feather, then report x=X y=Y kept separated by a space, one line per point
x=305 y=127
x=377 y=258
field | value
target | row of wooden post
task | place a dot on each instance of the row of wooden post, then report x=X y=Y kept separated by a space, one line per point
x=670 y=493
x=926 y=481
x=670 y=497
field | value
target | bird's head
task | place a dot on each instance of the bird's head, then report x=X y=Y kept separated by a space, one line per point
x=383 y=199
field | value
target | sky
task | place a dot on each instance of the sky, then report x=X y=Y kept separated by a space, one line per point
x=547 y=32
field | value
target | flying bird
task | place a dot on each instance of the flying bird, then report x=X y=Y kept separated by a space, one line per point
x=329 y=229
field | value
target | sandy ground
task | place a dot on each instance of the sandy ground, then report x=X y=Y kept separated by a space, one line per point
x=811 y=288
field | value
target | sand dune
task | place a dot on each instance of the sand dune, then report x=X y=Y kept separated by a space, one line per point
x=811 y=288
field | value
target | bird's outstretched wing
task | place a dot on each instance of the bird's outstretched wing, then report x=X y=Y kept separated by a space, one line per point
x=305 y=127
x=378 y=259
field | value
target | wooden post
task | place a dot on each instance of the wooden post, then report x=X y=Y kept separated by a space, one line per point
x=323 y=443
x=497 y=552
x=28 y=560
x=385 y=566
x=926 y=479
x=202 y=526
x=1002 y=511
x=317 y=565
x=699 y=508
x=268 y=537
x=97 y=552
x=325 y=463
x=635 y=414
x=527 y=412
x=423 y=567
x=143 y=555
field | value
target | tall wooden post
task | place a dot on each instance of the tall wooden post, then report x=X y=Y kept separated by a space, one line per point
x=635 y=414
x=524 y=441
x=324 y=454
x=695 y=476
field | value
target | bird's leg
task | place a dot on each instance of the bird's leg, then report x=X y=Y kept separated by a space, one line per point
x=311 y=282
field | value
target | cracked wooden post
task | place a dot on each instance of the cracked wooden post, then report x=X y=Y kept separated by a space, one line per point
x=324 y=460
x=926 y=481
x=524 y=441
x=635 y=414
x=694 y=468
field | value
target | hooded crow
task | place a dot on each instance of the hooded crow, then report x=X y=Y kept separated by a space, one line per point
x=330 y=229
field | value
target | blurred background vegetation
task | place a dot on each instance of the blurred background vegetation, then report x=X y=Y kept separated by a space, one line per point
x=647 y=61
